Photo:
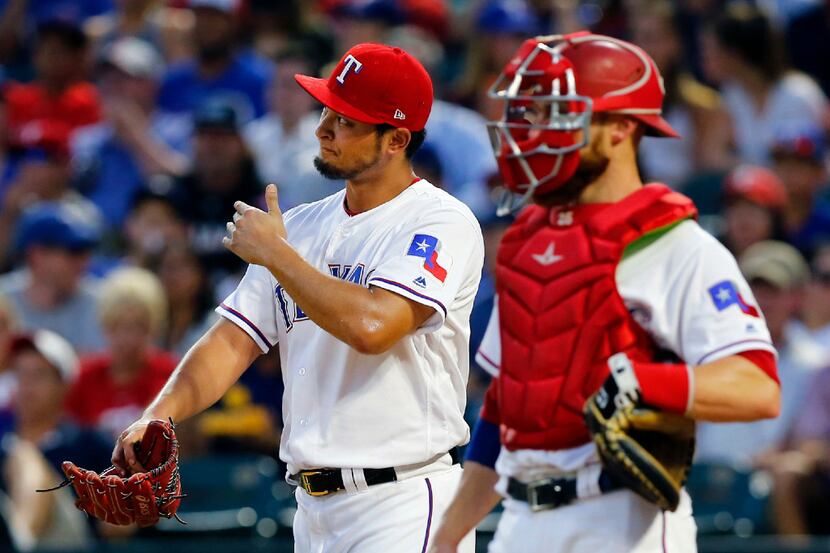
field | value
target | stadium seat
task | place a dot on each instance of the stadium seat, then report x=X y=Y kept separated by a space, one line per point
x=231 y=496
x=729 y=500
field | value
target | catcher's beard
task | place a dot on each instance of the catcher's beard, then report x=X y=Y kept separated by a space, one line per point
x=330 y=171
x=591 y=165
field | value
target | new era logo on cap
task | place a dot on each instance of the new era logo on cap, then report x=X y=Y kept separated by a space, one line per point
x=375 y=83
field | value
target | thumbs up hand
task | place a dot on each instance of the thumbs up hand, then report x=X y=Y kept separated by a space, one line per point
x=254 y=235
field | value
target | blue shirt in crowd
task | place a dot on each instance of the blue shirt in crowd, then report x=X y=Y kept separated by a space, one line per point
x=65 y=10
x=244 y=84
x=106 y=171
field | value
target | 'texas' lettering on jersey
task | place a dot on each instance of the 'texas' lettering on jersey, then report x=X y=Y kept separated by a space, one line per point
x=291 y=312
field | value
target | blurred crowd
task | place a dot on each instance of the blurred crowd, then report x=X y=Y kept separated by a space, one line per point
x=129 y=127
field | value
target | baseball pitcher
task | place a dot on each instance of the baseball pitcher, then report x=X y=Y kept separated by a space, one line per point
x=367 y=294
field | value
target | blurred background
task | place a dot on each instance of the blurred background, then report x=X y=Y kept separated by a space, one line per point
x=129 y=127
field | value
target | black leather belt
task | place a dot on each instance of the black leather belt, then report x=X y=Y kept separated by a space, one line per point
x=551 y=493
x=318 y=482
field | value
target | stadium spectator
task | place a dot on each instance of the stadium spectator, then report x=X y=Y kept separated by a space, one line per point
x=141 y=19
x=218 y=69
x=283 y=141
x=19 y=21
x=801 y=472
x=223 y=172
x=8 y=326
x=799 y=159
x=465 y=170
x=248 y=418
x=189 y=295
x=276 y=26
x=31 y=455
x=26 y=12
x=814 y=321
x=807 y=41
x=113 y=159
x=43 y=174
x=692 y=108
x=4 y=142
x=38 y=155
x=743 y=54
x=754 y=200
x=50 y=291
x=116 y=385
x=353 y=22
x=777 y=273
x=154 y=222
x=60 y=93
x=500 y=27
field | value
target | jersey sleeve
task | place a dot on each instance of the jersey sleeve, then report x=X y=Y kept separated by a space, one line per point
x=435 y=262
x=251 y=307
x=697 y=301
x=488 y=355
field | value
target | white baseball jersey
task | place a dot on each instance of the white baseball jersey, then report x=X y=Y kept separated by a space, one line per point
x=686 y=291
x=345 y=409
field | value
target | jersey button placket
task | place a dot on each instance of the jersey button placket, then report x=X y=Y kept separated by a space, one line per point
x=334 y=241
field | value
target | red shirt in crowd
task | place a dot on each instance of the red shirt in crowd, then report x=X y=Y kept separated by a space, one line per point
x=76 y=106
x=96 y=399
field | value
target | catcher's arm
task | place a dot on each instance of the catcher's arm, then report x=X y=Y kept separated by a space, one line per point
x=211 y=366
x=474 y=498
x=476 y=495
x=734 y=389
x=740 y=387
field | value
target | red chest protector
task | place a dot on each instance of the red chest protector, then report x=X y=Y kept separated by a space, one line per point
x=561 y=315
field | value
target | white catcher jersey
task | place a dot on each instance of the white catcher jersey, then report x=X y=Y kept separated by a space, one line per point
x=686 y=291
x=345 y=409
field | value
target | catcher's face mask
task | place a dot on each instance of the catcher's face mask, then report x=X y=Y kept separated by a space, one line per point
x=544 y=123
x=549 y=91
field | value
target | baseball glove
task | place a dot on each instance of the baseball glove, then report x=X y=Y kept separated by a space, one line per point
x=141 y=498
x=645 y=449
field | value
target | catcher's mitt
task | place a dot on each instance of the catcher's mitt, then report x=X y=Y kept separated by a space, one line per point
x=645 y=449
x=141 y=498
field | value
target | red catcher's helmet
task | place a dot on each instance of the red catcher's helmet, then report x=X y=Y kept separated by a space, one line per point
x=550 y=89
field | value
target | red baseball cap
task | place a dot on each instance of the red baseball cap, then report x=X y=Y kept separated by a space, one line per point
x=756 y=184
x=375 y=83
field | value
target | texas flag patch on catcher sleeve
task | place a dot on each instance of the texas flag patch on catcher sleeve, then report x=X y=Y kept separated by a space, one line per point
x=436 y=262
x=725 y=294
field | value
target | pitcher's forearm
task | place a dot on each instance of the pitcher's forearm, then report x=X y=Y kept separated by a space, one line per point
x=211 y=366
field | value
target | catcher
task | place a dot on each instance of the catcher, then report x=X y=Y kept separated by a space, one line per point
x=618 y=320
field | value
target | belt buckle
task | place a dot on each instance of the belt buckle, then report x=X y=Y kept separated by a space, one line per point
x=533 y=495
x=306 y=485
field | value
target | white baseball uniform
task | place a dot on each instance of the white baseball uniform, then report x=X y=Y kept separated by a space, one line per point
x=686 y=291
x=403 y=408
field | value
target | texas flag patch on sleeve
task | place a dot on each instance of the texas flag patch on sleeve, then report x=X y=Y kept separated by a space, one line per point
x=436 y=262
x=725 y=294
